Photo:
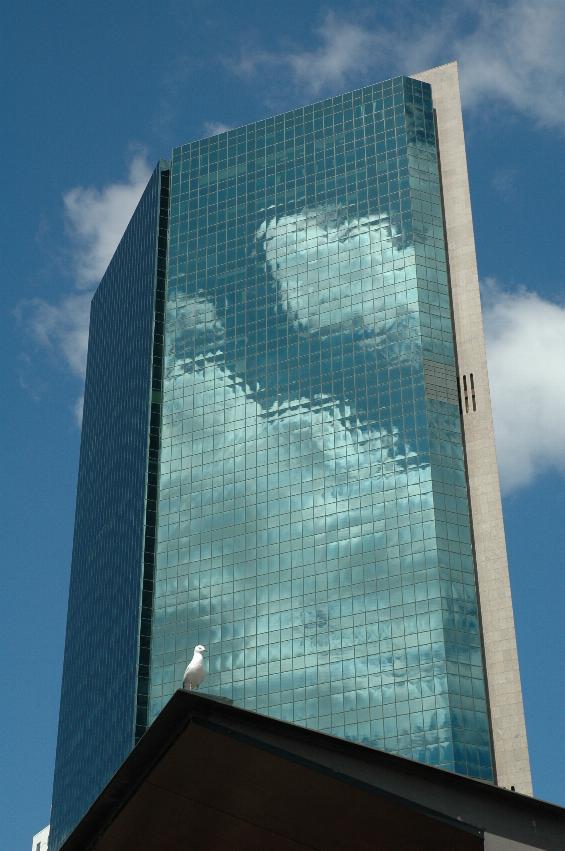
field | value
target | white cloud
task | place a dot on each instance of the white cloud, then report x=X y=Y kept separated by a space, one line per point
x=342 y=46
x=95 y=220
x=515 y=57
x=510 y=54
x=344 y=49
x=526 y=360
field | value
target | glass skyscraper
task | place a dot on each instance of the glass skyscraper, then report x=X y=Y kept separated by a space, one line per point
x=273 y=460
x=104 y=689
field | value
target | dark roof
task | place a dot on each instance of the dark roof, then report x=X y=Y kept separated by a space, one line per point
x=209 y=775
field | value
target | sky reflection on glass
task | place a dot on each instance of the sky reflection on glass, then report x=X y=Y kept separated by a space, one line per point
x=301 y=520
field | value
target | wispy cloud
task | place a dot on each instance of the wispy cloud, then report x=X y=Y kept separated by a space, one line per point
x=343 y=50
x=514 y=56
x=510 y=54
x=526 y=360
x=77 y=410
x=173 y=84
x=213 y=128
x=62 y=328
x=504 y=182
x=95 y=221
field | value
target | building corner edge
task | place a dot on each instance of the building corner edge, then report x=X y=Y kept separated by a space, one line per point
x=499 y=639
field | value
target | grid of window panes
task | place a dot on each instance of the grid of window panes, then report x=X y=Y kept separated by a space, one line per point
x=98 y=694
x=314 y=530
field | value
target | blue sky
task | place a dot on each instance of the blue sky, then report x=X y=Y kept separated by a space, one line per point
x=96 y=94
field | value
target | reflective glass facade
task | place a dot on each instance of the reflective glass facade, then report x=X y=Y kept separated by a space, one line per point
x=104 y=677
x=272 y=461
x=313 y=523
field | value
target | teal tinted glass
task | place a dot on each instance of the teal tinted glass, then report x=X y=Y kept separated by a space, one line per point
x=102 y=648
x=313 y=523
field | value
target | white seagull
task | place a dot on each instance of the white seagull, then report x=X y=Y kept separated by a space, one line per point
x=195 y=671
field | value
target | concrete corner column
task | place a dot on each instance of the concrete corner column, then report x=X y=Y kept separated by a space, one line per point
x=503 y=677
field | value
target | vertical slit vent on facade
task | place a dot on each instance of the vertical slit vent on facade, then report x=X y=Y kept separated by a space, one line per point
x=473 y=397
x=465 y=394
